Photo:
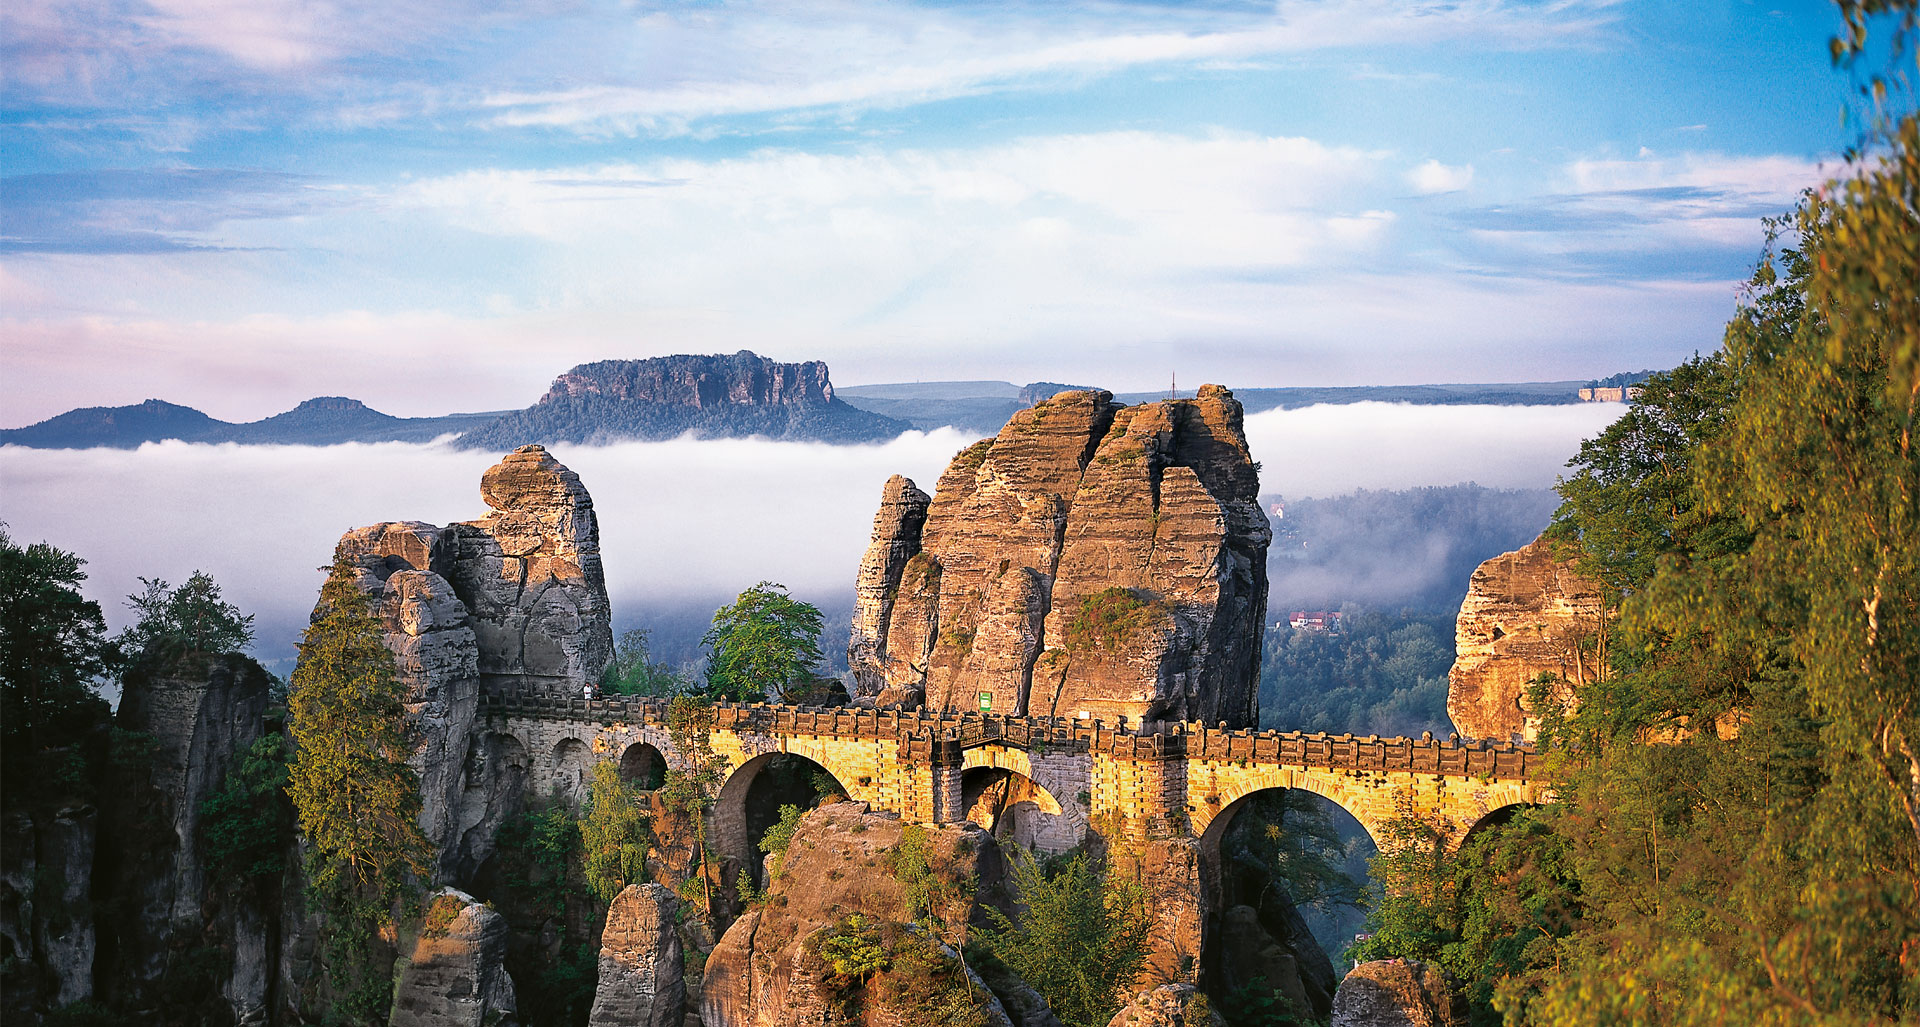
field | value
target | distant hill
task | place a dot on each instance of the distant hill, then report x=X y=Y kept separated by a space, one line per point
x=317 y=422
x=727 y=396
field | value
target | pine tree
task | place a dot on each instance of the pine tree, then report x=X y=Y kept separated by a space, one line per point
x=357 y=800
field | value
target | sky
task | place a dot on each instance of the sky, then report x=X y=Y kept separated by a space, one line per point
x=439 y=205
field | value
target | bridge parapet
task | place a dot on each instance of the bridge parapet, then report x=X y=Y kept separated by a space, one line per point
x=940 y=736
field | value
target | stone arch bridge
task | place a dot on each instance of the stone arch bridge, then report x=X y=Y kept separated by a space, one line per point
x=1042 y=782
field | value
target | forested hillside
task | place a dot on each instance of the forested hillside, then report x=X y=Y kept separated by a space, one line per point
x=1737 y=835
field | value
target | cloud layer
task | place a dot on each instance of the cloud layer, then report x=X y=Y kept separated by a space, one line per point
x=681 y=522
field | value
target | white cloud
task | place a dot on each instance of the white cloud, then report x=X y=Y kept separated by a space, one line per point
x=1432 y=177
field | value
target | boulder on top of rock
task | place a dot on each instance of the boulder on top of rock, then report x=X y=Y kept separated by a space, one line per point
x=1090 y=558
x=453 y=971
x=1398 y=993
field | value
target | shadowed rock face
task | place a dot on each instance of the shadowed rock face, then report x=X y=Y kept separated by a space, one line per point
x=516 y=599
x=1525 y=614
x=1090 y=557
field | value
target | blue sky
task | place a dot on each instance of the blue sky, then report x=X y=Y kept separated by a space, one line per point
x=436 y=206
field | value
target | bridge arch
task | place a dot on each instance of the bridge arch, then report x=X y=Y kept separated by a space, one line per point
x=569 y=770
x=643 y=765
x=749 y=803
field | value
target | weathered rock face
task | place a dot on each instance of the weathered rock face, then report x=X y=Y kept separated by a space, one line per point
x=453 y=973
x=640 y=962
x=1090 y=558
x=63 y=935
x=766 y=970
x=1398 y=993
x=1170 y=1005
x=1525 y=614
x=729 y=395
x=202 y=713
x=515 y=600
x=896 y=538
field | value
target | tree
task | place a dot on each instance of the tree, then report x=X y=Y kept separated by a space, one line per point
x=1081 y=938
x=764 y=645
x=614 y=833
x=357 y=800
x=191 y=618
x=243 y=825
x=52 y=647
x=633 y=671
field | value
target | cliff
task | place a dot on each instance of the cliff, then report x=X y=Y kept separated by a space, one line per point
x=515 y=600
x=1090 y=558
x=665 y=397
x=1525 y=614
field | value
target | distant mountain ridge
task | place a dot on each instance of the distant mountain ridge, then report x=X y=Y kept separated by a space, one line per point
x=717 y=396
x=324 y=420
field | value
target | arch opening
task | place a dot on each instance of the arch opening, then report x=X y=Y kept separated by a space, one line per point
x=1018 y=810
x=569 y=769
x=643 y=766
x=1492 y=820
x=749 y=805
x=1283 y=871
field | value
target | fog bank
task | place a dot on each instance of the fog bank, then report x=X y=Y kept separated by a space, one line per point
x=683 y=523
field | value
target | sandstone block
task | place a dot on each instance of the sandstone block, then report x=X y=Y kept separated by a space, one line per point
x=454 y=974
x=1525 y=614
x=1398 y=993
x=641 y=969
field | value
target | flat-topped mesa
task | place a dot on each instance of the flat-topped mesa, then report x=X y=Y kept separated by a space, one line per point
x=1526 y=614
x=1091 y=558
x=741 y=378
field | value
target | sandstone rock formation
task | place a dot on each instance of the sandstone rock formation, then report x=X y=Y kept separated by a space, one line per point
x=202 y=714
x=452 y=973
x=516 y=600
x=641 y=969
x=896 y=538
x=1525 y=614
x=1170 y=1005
x=1398 y=993
x=1090 y=558
x=766 y=970
x=664 y=397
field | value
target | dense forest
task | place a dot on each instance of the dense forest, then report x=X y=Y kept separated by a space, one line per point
x=1736 y=837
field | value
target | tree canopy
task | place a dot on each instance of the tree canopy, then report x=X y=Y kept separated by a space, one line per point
x=190 y=618
x=765 y=645
x=52 y=648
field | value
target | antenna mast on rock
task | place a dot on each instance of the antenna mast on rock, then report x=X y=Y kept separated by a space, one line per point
x=1173 y=385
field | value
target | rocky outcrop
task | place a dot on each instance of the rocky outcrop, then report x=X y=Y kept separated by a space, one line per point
x=452 y=972
x=199 y=714
x=1090 y=558
x=766 y=970
x=1398 y=993
x=516 y=600
x=896 y=538
x=1170 y=1005
x=1526 y=614
x=665 y=397
x=640 y=962
x=62 y=925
